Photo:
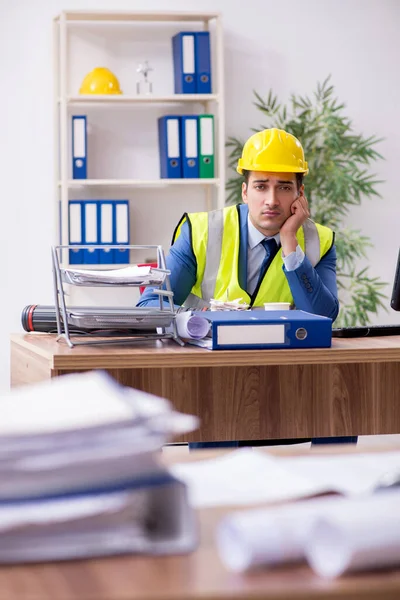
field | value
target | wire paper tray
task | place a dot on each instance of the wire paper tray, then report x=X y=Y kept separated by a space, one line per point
x=120 y=325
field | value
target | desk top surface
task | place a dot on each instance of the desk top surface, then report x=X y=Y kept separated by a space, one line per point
x=164 y=354
x=198 y=576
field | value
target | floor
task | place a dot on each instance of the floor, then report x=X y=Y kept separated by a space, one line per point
x=177 y=450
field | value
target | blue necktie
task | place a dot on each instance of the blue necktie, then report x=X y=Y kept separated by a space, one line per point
x=271 y=248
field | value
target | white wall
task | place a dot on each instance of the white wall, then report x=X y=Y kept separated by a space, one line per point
x=288 y=46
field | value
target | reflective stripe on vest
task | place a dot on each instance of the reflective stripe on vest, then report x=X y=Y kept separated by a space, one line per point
x=214 y=249
x=215 y=243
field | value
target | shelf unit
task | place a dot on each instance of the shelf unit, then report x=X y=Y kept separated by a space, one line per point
x=66 y=100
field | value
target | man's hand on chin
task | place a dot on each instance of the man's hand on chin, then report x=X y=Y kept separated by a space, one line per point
x=288 y=231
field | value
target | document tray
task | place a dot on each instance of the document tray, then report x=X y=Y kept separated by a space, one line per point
x=120 y=318
x=121 y=325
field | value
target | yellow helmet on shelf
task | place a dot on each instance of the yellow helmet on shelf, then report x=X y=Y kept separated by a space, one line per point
x=100 y=81
x=273 y=150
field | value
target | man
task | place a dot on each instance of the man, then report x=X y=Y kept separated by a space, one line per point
x=264 y=250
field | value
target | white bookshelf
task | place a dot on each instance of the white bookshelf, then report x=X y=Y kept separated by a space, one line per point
x=118 y=17
x=80 y=183
x=67 y=102
x=99 y=100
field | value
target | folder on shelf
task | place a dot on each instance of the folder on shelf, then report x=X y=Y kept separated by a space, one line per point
x=190 y=150
x=206 y=146
x=252 y=329
x=79 y=147
x=75 y=230
x=121 y=231
x=90 y=231
x=183 y=50
x=106 y=234
x=202 y=62
x=170 y=147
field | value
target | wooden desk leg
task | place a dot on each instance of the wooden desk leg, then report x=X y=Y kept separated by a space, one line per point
x=27 y=367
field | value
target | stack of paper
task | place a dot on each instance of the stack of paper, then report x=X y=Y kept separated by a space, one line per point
x=132 y=275
x=80 y=472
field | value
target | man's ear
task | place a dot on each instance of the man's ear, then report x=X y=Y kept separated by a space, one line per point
x=244 y=192
x=301 y=190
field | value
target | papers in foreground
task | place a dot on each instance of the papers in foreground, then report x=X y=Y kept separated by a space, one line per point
x=247 y=476
x=335 y=534
x=80 y=472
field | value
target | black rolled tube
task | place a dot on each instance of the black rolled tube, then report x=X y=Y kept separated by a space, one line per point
x=37 y=317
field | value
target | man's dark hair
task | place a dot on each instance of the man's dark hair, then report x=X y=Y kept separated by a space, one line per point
x=299 y=178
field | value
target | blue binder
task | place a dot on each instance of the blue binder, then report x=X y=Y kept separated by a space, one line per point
x=79 y=147
x=190 y=146
x=75 y=231
x=105 y=223
x=259 y=329
x=121 y=230
x=202 y=62
x=90 y=231
x=183 y=52
x=170 y=147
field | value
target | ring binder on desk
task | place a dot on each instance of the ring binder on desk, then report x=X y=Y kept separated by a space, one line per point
x=128 y=324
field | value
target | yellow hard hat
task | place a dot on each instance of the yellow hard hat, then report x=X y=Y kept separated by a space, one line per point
x=100 y=81
x=273 y=150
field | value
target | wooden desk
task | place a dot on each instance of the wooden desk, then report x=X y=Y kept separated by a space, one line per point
x=349 y=389
x=198 y=576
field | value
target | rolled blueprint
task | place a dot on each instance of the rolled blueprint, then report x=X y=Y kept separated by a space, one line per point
x=334 y=534
x=358 y=535
x=192 y=326
x=266 y=537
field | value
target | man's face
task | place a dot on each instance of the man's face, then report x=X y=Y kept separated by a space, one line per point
x=269 y=197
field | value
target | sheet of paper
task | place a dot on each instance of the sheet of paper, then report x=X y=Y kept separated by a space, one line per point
x=132 y=271
x=248 y=476
x=347 y=474
x=243 y=477
x=58 y=405
x=205 y=343
x=132 y=274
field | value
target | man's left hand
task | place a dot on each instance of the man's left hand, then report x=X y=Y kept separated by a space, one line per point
x=300 y=213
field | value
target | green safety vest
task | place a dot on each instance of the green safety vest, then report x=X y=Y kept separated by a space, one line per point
x=215 y=239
